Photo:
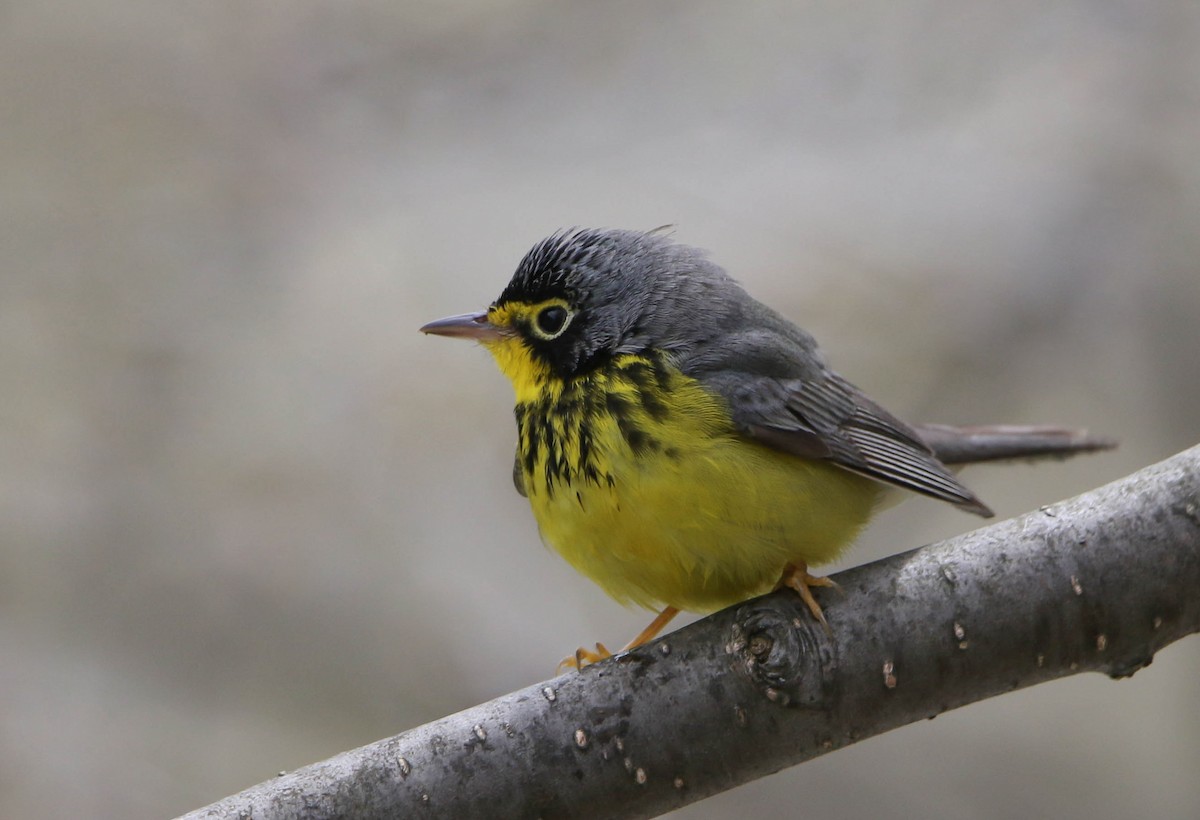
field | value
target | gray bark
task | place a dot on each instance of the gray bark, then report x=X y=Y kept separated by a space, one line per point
x=1097 y=583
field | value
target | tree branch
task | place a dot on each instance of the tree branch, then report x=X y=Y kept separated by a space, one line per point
x=1096 y=583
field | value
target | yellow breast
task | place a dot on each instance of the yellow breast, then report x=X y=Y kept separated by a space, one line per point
x=637 y=477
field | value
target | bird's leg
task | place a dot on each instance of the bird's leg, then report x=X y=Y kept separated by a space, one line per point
x=583 y=657
x=651 y=632
x=795 y=576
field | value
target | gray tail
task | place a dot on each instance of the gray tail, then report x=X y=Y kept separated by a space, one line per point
x=968 y=445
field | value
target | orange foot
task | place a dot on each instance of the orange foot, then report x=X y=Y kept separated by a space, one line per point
x=795 y=576
x=583 y=656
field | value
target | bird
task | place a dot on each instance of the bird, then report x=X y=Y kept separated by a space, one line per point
x=685 y=446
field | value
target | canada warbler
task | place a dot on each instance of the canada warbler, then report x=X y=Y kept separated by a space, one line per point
x=685 y=446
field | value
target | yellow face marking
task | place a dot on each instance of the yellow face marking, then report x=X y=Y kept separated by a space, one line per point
x=530 y=376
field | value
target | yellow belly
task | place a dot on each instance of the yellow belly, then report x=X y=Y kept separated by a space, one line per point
x=657 y=499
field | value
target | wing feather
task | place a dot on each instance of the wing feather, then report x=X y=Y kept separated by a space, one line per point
x=781 y=393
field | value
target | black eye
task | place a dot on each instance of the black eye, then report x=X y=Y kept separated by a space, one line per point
x=551 y=320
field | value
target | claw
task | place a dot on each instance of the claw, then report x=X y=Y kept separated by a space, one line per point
x=585 y=657
x=796 y=577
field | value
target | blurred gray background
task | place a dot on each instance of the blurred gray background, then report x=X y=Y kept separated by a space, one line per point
x=249 y=517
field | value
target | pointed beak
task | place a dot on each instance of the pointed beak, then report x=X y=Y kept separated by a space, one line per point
x=466 y=326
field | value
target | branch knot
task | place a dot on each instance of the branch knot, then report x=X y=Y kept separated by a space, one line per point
x=780 y=650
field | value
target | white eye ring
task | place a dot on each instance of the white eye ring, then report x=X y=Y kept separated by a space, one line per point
x=551 y=321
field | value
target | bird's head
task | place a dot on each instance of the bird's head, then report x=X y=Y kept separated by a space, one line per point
x=583 y=296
